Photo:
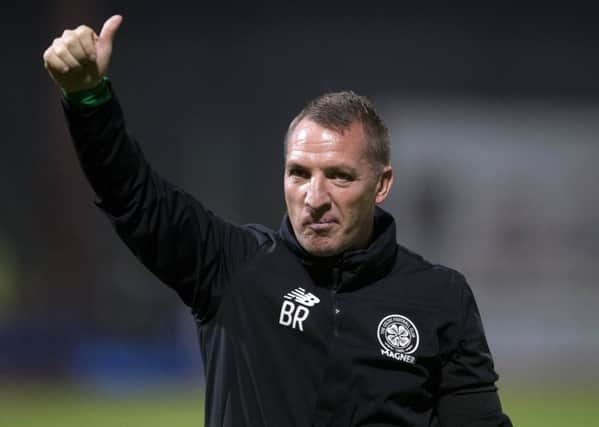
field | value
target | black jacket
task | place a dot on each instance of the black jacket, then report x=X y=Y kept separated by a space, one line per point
x=375 y=337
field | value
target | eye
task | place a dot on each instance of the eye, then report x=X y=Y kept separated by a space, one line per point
x=342 y=177
x=298 y=173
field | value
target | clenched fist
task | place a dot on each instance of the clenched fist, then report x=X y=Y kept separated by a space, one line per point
x=79 y=58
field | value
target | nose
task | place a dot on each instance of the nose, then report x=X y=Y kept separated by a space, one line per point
x=317 y=197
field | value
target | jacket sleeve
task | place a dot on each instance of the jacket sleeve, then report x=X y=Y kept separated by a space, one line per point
x=174 y=236
x=467 y=394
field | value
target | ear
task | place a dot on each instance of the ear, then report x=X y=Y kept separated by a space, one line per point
x=384 y=185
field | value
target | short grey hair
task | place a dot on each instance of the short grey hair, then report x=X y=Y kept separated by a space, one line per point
x=338 y=111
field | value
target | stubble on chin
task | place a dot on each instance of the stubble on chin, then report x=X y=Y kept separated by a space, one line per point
x=321 y=246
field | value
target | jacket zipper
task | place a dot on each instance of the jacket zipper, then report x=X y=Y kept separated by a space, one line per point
x=334 y=290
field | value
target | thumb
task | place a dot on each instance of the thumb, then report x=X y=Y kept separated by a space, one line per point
x=110 y=28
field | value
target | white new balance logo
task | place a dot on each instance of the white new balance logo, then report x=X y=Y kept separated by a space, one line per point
x=294 y=315
x=300 y=295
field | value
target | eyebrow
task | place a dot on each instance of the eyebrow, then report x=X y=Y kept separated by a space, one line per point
x=333 y=168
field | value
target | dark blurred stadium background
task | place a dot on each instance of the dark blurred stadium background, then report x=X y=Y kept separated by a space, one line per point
x=494 y=114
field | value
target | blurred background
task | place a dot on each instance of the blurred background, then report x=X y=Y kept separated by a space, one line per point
x=494 y=116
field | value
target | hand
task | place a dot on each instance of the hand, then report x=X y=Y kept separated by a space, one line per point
x=79 y=59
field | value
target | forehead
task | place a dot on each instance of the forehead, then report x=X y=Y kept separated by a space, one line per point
x=311 y=140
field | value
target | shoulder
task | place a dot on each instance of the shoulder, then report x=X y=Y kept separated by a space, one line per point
x=442 y=285
x=264 y=235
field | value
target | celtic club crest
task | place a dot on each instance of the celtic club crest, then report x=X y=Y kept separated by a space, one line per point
x=397 y=333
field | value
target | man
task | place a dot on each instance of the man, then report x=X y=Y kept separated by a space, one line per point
x=326 y=322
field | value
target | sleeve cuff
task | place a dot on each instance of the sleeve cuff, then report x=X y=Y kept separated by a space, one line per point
x=93 y=97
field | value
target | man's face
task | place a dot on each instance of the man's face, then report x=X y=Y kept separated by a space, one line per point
x=331 y=188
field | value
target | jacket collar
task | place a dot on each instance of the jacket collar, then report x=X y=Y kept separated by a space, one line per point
x=353 y=268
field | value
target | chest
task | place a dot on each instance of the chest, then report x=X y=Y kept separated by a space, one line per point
x=327 y=353
x=275 y=305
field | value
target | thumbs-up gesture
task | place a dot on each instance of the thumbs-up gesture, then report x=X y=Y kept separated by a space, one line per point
x=79 y=58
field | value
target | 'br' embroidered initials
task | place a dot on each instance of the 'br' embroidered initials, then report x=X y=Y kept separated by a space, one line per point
x=294 y=314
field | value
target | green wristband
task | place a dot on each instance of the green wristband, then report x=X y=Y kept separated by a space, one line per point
x=93 y=97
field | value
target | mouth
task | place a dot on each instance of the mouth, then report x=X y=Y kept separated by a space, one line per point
x=321 y=225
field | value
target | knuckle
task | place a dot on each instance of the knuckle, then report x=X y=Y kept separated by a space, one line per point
x=58 y=46
x=70 y=40
x=59 y=50
x=82 y=29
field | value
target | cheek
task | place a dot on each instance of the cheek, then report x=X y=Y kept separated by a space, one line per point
x=287 y=189
x=358 y=205
x=292 y=197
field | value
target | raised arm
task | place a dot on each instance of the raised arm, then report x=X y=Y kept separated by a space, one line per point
x=185 y=245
